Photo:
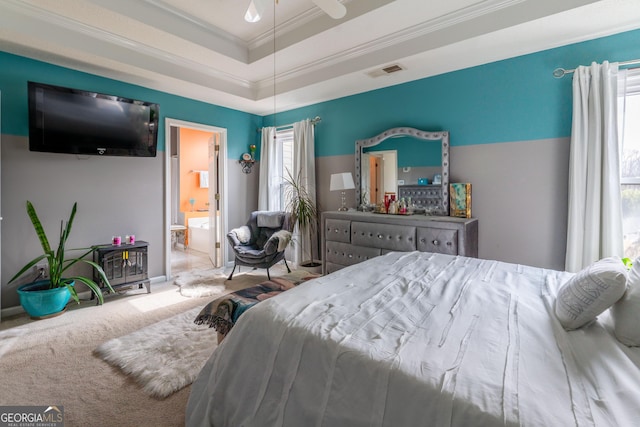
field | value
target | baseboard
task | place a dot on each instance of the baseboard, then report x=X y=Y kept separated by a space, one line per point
x=11 y=311
x=85 y=295
x=158 y=279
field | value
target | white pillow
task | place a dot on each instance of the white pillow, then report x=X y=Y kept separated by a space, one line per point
x=626 y=312
x=590 y=292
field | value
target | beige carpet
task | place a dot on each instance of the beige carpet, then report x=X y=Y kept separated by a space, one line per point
x=51 y=362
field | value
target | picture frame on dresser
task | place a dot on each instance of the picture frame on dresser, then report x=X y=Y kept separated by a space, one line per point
x=460 y=203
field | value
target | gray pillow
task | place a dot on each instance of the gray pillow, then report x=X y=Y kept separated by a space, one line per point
x=590 y=292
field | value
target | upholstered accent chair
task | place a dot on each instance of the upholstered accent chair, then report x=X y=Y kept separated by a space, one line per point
x=262 y=241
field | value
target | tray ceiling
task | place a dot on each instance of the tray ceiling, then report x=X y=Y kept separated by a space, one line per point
x=203 y=49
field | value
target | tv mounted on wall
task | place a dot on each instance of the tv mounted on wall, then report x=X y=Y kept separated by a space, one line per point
x=65 y=120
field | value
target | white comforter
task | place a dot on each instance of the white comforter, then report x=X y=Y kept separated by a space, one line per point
x=418 y=339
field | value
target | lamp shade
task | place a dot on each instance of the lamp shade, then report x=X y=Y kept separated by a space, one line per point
x=341 y=181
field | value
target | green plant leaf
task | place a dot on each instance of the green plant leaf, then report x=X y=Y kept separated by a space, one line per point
x=72 y=291
x=28 y=267
x=37 y=225
x=300 y=205
x=92 y=285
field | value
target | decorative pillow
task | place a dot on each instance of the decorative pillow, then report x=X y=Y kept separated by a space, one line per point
x=243 y=234
x=626 y=312
x=590 y=292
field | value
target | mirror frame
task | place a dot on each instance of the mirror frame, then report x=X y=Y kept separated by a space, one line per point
x=442 y=136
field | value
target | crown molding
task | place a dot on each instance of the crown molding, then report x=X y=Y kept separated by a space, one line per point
x=178 y=64
x=159 y=14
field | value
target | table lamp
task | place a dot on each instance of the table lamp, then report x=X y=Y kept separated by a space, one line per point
x=342 y=181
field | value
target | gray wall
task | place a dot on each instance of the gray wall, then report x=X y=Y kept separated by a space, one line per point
x=115 y=195
x=243 y=194
x=519 y=195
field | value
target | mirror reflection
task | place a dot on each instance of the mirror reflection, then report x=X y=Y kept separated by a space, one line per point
x=396 y=162
x=405 y=162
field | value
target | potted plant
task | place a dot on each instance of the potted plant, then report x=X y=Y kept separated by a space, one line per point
x=50 y=295
x=304 y=214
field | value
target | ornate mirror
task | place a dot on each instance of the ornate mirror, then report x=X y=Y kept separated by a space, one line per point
x=404 y=161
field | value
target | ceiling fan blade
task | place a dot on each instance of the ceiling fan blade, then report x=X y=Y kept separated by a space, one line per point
x=333 y=8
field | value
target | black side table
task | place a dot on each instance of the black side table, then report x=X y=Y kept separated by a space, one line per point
x=124 y=265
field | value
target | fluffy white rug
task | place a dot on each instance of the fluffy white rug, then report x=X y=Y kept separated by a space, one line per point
x=163 y=357
x=200 y=283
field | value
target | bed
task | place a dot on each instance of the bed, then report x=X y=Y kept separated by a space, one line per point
x=418 y=339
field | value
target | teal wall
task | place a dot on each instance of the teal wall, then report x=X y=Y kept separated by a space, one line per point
x=15 y=71
x=517 y=99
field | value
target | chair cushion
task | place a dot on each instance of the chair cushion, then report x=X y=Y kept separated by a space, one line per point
x=248 y=251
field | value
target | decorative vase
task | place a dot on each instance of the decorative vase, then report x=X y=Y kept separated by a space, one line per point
x=39 y=301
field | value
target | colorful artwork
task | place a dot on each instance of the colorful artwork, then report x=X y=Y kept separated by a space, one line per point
x=460 y=200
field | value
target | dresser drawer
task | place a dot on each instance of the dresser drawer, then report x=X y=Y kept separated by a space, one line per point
x=439 y=240
x=338 y=230
x=385 y=236
x=346 y=254
x=352 y=237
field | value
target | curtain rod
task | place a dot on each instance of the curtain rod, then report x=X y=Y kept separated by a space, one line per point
x=315 y=120
x=558 y=73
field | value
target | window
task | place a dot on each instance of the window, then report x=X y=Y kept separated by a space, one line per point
x=284 y=139
x=629 y=132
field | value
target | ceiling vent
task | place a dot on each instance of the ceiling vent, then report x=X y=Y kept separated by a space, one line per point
x=390 y=69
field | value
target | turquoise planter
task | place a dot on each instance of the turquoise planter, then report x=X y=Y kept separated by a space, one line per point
x=39 y=301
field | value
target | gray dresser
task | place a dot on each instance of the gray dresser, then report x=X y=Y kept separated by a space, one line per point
x=352 y=237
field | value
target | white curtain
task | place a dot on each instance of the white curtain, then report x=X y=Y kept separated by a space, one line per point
x=304 y=163
x=594 y=226
x=269 y=180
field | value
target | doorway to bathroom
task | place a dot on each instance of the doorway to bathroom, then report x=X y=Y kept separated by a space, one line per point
x=195 y=208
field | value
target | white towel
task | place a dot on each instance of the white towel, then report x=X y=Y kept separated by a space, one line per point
x=204 y=179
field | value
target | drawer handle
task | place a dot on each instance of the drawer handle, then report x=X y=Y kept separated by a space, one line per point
x=336 y=230
x=436 y=242
x=380 y=236
x=350 y=255
x=449 y=243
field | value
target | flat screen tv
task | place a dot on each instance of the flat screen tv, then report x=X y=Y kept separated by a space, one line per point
x=65 y=120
